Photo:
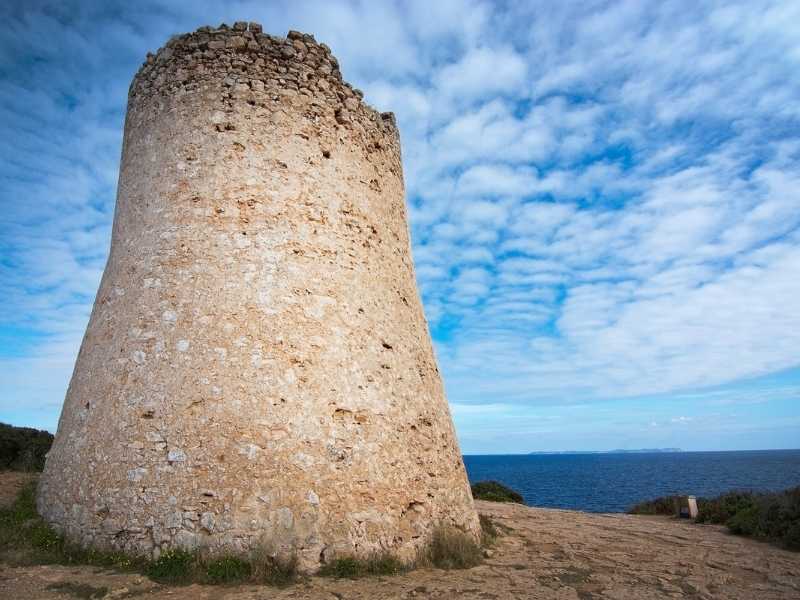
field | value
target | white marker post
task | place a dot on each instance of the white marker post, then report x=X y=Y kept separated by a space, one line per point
x=692 y=507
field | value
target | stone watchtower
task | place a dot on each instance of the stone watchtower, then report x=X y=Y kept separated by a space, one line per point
x=257 y=368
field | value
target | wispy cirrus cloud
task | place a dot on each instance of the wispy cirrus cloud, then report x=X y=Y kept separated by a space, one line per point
x=603 y=196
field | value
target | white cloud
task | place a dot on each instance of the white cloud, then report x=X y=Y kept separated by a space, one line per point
x=481 y=73
x=603 y=197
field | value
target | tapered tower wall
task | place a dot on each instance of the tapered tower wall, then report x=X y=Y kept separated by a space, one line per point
x=257 y=369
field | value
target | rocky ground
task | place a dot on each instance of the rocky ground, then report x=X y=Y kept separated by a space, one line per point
x=544 y=554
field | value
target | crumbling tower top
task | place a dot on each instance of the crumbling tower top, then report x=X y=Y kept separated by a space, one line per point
x=258 y=68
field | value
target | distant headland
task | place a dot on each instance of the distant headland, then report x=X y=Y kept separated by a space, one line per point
x=619 y=451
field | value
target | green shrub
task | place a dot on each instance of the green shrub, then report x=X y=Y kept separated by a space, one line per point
x=226 y=570
x=771 y=516
x=495 y=491
x=24 y=537
x=792 y=536
x=451 y=548
x=23 y=448
x=346 y=567
x=719 y=510
x=24 y=506
x=349 y=567
x=384 y=564
x=173 y=566
x=745 y=522
x=666 y=505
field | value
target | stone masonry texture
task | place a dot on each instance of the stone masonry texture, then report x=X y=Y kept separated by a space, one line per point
x=257 y=370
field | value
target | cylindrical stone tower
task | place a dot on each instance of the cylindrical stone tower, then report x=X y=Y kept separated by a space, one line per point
x=257 y=368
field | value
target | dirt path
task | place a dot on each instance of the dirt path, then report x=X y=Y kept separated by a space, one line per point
x=548 y=554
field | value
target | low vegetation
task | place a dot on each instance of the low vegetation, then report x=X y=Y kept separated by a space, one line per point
x=494 y=491
x=23 y=448
x=25 y=539
x=271 y=568
x=451 y=548
x=489 y=531
x=349 y=567
x=769 y=516
x=665 y=505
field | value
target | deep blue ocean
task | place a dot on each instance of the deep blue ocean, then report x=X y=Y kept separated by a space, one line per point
x=614 y=482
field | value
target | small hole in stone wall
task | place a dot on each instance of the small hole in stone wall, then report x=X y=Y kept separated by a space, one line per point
x=148 y=414
x=326 y=153
x=87 y=406
x=386 y=345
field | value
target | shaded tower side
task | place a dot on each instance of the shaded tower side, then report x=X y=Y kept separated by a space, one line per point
x=257 y=369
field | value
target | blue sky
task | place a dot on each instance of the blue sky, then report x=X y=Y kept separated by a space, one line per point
x=604 y=202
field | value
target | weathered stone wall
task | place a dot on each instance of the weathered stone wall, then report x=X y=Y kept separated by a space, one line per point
x=257 y=368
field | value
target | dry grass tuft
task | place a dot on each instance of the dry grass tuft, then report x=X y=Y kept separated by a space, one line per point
x=451 y=548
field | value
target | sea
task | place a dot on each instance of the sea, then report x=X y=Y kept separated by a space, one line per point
x=610 y=482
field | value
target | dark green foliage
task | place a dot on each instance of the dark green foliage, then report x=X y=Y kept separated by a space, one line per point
x=666 y=505
x=719 y=510
x=348 y=567
x=173 y=566
x=228 y=569
x=771 y=516
x=24 y=537
x=23 y=448
x=792 y=536
x=745 y=522
x=450 y=548
x=24 y=506
x=384 y=564
x=495 y=491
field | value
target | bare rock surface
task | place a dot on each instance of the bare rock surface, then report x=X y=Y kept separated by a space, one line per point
x=543 y=554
